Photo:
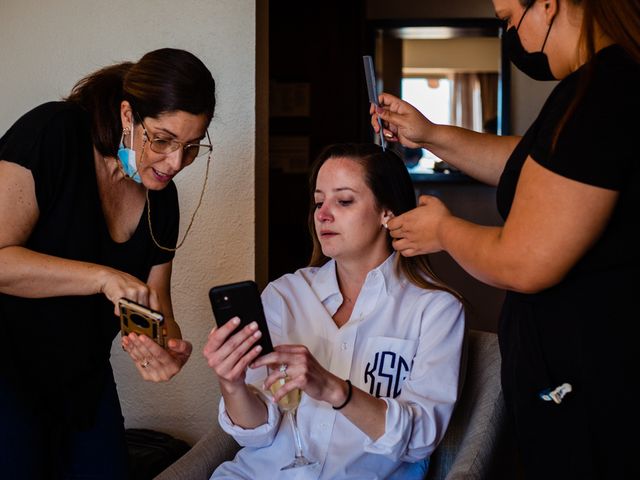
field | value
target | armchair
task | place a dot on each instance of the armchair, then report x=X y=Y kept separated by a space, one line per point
x=466 y=452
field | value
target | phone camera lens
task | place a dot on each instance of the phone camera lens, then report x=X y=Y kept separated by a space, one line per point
x=139 y=320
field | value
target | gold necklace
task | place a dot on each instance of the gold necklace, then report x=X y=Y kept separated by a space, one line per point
x=168 y=249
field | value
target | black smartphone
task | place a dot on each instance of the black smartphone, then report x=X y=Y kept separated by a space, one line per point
x=241 y=300
x=141 y=320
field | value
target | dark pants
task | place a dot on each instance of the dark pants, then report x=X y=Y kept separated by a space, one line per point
x=588 y=341
x=37 y=447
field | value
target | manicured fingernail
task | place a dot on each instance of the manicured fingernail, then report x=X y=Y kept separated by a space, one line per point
x=235 y=320
x=257 y=334
x=253 y=325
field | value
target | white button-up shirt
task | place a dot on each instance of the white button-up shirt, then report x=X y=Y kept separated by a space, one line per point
x=401 y=343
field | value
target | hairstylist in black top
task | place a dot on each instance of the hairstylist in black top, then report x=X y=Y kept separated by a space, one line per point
x=89 y=214
x=568 y=253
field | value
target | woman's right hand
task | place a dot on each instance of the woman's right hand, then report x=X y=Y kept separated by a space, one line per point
x=115 y=285
x=402 y=122
x=230 y=355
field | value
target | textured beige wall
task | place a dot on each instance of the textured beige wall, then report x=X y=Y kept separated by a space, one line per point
x=46 y=45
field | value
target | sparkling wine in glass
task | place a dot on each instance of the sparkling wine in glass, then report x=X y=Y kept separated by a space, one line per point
x=289 y=405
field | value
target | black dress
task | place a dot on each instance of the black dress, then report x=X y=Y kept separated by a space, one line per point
x=55 y=354
x=581 y=331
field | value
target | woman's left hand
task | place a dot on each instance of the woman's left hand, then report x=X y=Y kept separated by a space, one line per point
x=302 y=371
x=155 y=363
x=416 y=231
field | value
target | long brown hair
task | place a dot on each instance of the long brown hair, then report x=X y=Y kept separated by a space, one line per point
x=162 y=81
x=620 y=21
x=389 y=180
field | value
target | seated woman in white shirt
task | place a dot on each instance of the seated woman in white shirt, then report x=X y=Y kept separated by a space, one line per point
x=360 y=313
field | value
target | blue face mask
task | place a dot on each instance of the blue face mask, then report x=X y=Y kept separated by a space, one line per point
x=127 y=157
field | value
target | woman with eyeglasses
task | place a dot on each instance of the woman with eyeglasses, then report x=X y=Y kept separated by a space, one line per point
x=89 y=215
x=568 y=254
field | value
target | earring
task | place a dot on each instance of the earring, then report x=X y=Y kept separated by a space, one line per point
x=388 y=217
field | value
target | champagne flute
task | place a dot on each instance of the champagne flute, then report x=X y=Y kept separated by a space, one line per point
x=289 y=405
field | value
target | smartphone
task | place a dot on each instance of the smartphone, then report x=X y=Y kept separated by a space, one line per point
x=241 y=300
x=141 y=320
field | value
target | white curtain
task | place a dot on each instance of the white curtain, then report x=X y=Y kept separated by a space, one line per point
x=474 y=100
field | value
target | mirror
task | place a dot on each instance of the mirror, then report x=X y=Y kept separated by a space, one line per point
x=454 y=72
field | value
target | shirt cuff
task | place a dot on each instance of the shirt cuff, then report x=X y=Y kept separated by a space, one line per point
x=261 y=436
x=397 y=433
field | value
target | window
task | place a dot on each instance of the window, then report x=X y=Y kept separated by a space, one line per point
x=454 y=75
x=432 y=96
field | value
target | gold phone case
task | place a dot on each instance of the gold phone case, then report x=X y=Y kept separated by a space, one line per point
x=141 y=320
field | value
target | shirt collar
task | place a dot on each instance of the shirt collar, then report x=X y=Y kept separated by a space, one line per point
x=325 y=282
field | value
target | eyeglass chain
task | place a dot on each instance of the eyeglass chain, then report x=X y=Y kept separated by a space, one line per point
x=206 y=176
x=193 y=216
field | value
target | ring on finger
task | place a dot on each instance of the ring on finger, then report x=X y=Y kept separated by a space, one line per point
x=283 y=369
x=145 y=364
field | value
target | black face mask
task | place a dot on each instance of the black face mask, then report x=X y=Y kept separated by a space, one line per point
x=536 y=64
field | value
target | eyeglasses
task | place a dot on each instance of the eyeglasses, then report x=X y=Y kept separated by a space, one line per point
x=165 y=146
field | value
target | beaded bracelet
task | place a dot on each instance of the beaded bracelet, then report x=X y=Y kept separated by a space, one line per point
x=349 y=392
